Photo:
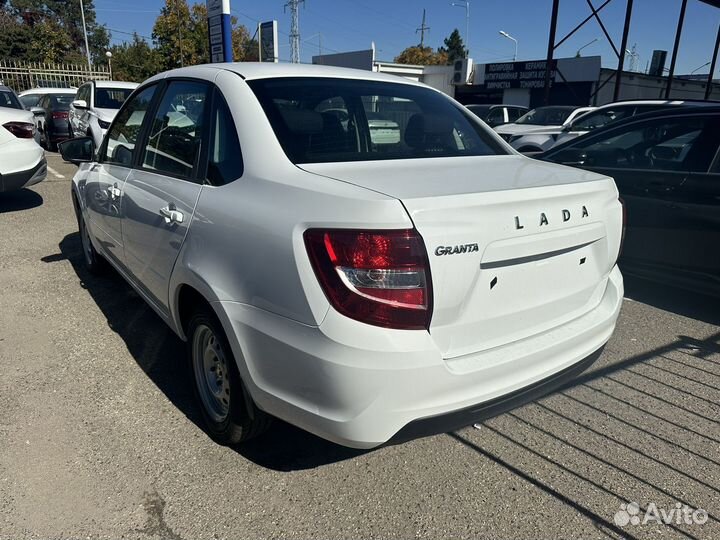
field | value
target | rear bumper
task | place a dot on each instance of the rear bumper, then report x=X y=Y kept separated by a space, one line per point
x=22 y=179
x=362 y=386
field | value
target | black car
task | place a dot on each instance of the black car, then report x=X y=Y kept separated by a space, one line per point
x=667 y=169
x=51 y=113
x=497 y=115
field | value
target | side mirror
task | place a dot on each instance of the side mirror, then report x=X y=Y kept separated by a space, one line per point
x=80 y=104
x=80 y=150
x=37 y=111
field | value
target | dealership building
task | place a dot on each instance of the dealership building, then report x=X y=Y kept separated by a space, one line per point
x=573 y=81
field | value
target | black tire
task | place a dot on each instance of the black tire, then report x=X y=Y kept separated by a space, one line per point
x=228 y=412
x=94 y=262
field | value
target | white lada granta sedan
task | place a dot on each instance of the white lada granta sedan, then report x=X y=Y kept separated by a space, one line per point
x=364 y=288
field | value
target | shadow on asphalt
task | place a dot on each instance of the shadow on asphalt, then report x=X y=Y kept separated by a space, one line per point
x=161 y=355
x=16 y=201
x=680 y=301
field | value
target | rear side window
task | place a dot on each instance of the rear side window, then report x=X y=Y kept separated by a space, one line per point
x=225 y=162
x=321 y=120
x=173 y=146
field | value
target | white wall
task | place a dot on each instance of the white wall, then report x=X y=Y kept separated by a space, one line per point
x=440 y=78
x=516 y=96
x=641 y=86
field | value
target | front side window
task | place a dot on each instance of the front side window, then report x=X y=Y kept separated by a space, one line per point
x=111 y=98
x=121 y=139
x=496 y=117
x=321 y=120
x=84 y=94
x=669 y=144
x=173 y=145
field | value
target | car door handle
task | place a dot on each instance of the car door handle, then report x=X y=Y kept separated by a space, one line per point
x=172 y=214
x=114 y=192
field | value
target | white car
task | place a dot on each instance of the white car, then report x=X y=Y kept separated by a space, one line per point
x=364 y=292
x=31 y=97
x=96 y=104
x=539 y=129
x=22 y=160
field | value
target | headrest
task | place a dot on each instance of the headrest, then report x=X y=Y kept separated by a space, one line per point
x=421 y=125
x=302 y=121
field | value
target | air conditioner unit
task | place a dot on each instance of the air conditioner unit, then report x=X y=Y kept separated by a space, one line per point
x=462 y=71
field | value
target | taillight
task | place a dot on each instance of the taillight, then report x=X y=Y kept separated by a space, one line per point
x=22 y=130
x=376 y=277
x=60 y=115
x=624 y=225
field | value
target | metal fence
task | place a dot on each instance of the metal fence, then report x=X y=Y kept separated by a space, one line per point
x=23 y=75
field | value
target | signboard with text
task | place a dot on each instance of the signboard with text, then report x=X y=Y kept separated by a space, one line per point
x=518 y=74
x=219 y=30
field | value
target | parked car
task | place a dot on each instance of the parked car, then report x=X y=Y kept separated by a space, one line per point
x=51 y=118
x=10 y=101
x=543 y=120
x=497 y=115
x=96 y=104
x=363 y=292
x=667 y=168
x=22 y=161
x=31 y=97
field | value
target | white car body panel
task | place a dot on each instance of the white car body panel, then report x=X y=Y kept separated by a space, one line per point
x=538 y=138
x=22 y=161
x=351 y=382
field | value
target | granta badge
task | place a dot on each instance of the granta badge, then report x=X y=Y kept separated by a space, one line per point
x=455 y=250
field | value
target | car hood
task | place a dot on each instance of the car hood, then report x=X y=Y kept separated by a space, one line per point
x=437 y=177
x=517 y=129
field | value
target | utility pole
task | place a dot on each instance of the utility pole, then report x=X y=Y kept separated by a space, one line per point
x=294 y=29
x=423 y=28
x=179 y=30
x=466 y=5
x=87 y=47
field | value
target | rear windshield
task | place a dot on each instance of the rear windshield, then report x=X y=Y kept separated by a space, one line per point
x=62 y=101
x=322 y=120
x=546 y=116
x=8 y=99
x=111 y=98
x=30 y=100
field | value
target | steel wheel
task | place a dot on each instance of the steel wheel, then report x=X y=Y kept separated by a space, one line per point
x=212 y=374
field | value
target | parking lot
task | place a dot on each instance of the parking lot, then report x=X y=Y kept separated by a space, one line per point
x=100 y=435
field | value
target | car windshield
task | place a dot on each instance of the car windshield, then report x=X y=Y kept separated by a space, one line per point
x=30 y=100
x=381 y=121
x=481 y=110
x=9 y=100
x=546 y=116
x=111 y=98
x=62 y=101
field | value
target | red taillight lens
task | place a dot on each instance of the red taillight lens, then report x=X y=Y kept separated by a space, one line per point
x=624 y=225
x=22 y=130
x=376 y=277
x=60 y=115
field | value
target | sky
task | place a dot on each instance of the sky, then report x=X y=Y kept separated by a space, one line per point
x=345 y=25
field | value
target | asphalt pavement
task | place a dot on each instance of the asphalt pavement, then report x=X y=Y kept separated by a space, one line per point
x=100 y=438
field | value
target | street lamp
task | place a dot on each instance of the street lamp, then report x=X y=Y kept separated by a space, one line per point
x=505 y=34
x=465 y=4
x=577 y=54
x=705 y=64
x=109 y=57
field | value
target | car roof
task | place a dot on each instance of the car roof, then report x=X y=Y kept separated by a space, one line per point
x=269 y=70
x=115 y=84
x=669 y=102
x=4 y=88
x=34 y=91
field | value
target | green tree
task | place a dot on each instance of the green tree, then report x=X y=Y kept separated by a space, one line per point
x=135 y=61
x=51 y=31
x=180 y=34
x=422 y=56
x=454 y=47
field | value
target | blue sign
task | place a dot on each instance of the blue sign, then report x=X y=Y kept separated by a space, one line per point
x=220 y=31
